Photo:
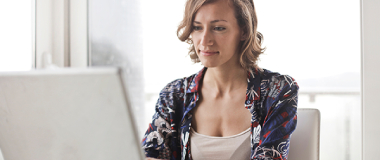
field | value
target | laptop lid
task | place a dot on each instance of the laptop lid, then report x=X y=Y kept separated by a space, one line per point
x=67 y=114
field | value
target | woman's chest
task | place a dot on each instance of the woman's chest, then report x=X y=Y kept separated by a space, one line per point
x=223 y=117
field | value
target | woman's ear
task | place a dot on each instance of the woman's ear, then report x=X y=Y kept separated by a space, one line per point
x=243 y=35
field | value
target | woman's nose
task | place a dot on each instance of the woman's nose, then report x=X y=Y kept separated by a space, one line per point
x=207 y=39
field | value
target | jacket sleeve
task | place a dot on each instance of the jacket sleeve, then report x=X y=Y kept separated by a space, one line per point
x=156 y=141
x=280 y=119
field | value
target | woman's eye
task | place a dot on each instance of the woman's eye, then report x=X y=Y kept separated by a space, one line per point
x=196 y=28
x=219 y=28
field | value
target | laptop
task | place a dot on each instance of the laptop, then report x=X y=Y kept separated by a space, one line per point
x=67 y=114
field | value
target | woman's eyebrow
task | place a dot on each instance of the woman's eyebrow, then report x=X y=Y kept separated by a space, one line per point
x=218 y=20
x=214 y=21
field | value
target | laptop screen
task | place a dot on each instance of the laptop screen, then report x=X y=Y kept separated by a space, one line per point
x=66 y=114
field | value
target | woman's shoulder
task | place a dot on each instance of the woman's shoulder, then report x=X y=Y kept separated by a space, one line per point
x=181 y=85
x=277 y=82
x=270 y=76
x=278 y=88
x=173 y=86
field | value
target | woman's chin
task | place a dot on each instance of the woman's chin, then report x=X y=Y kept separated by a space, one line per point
x=208 y=64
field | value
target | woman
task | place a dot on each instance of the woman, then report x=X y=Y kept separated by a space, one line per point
x=231 y=109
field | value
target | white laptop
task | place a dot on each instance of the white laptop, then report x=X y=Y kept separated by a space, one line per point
x=66 y=114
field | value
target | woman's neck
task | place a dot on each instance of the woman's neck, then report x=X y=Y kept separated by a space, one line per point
x=225 y=80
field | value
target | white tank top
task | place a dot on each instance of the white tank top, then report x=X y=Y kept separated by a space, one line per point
x=236 y=147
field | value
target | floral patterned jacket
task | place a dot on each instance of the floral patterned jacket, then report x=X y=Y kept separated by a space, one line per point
x=271 y=98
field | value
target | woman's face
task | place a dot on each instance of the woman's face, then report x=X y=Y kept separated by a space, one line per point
x=216 y=34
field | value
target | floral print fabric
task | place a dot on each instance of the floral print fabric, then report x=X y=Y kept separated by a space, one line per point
x=271 y=98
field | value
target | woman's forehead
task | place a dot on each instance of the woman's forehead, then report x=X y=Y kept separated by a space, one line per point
x=216 y=10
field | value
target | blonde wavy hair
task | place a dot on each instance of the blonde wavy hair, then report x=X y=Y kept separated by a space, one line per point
x=245 y=13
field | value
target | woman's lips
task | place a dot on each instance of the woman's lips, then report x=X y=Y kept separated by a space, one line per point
x=209 y=53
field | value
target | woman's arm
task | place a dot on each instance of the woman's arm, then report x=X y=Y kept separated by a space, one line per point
x=157 y=139
x=280 y=120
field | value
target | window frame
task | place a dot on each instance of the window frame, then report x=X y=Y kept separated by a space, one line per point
x=61 y=30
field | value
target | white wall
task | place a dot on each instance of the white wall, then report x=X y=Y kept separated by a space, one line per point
x=370 y=78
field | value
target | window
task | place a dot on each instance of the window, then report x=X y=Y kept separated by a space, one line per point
x=16 y=30
x=318 y=44
x=115 y=40
x=133 y=34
